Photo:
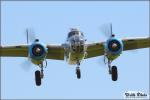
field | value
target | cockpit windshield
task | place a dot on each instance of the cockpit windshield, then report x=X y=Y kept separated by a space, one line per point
x=75 y=32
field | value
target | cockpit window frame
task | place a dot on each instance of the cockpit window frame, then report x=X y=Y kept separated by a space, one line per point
x=75 y=32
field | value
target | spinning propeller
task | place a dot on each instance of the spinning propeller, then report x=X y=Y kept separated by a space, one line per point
x=30 y=35
x=30 y=38
x=106 y=29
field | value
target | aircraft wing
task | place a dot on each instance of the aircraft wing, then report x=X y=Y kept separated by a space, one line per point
x=14 y=51
x=136 y=43
x=97 y=49
x=54 y=51
x=57 y=52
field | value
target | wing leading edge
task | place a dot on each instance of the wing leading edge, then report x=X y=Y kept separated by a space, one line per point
x=136 y=43
x=14 y=51
x=57 y=51
x=97 y=49
x=54 y=51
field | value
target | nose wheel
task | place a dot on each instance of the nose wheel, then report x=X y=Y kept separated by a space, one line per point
x=78 y=72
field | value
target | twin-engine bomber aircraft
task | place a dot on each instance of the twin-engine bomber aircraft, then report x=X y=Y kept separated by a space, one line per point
x=74 y=51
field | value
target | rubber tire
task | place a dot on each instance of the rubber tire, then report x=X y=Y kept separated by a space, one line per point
x=38 y=78
x=78 y=73
x=114 y=73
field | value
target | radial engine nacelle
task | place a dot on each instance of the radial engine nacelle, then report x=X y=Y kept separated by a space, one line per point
x=37 y=52
x=113 y=48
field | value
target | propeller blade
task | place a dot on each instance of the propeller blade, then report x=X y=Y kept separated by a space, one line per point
x=106 y=29
x=30 y=35
x=27 y=36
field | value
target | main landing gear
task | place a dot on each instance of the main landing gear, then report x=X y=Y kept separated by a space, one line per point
x=78 y=72
x=112 y=71
x=39 y=75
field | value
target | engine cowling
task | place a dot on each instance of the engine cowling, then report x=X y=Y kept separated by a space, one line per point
x=37 y=53
x=113 y=48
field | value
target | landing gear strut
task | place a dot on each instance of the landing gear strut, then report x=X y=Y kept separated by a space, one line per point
x=78 y=72
x=112 y=71
x=39 y=75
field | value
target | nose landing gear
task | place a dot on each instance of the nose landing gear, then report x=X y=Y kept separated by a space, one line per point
x=78 y=72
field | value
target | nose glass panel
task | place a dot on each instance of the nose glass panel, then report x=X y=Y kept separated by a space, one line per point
x=77 y=44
